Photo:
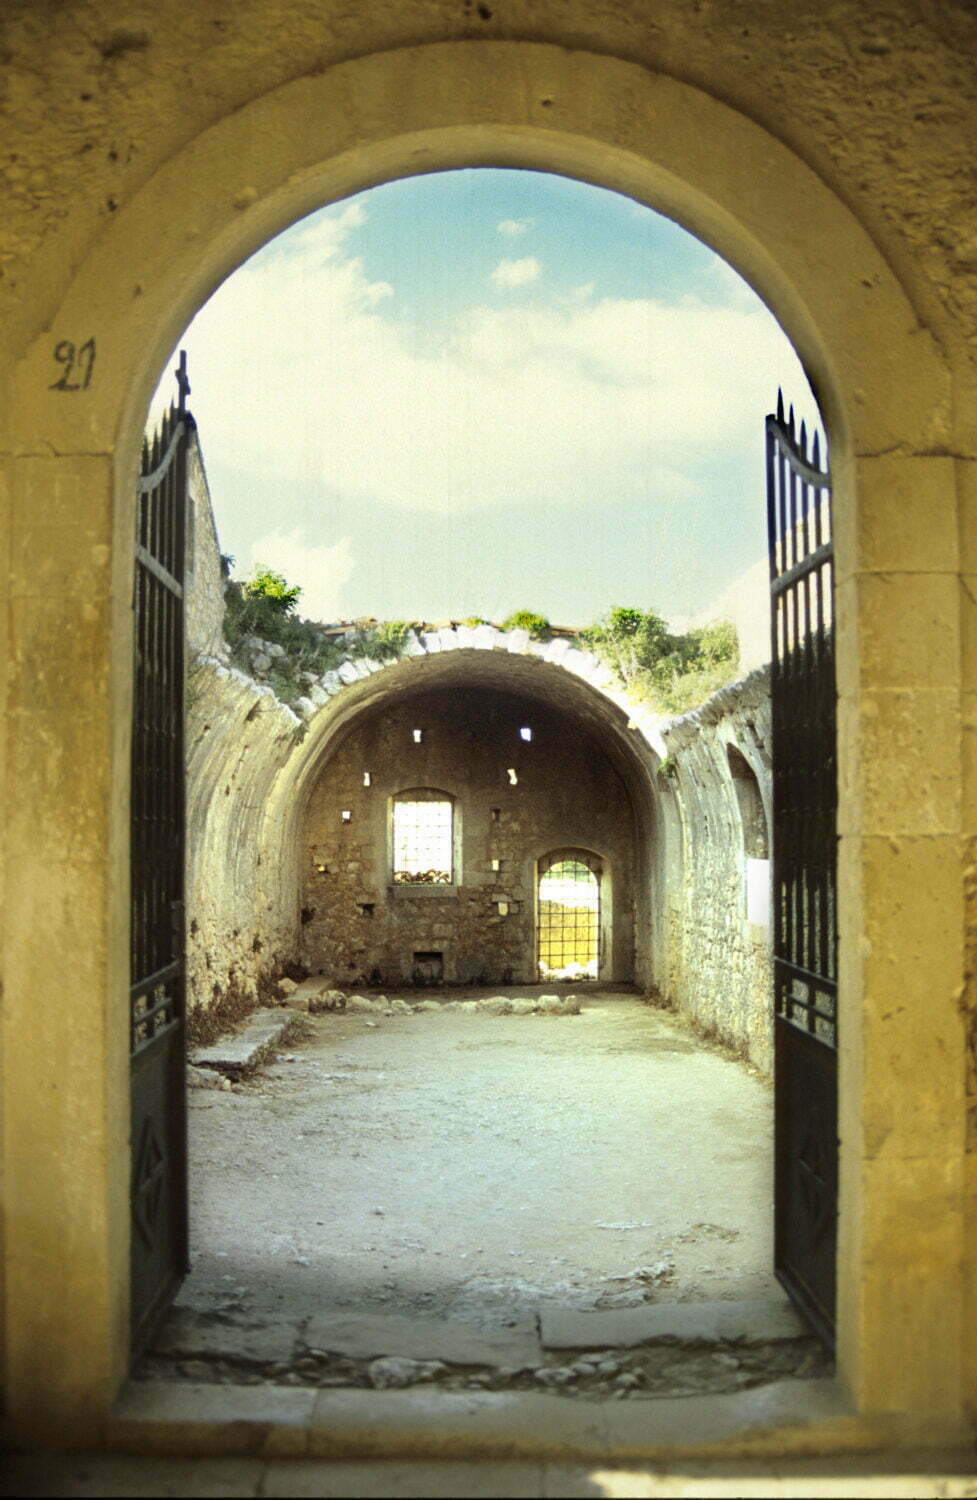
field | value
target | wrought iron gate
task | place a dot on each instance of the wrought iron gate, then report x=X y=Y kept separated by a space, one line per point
x=156 y=1016
x=804 y=870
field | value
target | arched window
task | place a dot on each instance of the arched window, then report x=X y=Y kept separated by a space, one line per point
x=423 y=837
x=752 y=816
x=756 y=844
x=568 y=909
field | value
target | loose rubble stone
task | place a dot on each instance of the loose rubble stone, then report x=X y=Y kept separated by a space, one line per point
x=202 y=1078
x=558 y=1005
x=359 y=1005
x=287 y=986
x=556 y=1375
x=392 y=1372
x=327 y=1000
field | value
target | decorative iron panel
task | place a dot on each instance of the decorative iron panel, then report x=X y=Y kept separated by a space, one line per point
x=804 y=869
x=159 y=1257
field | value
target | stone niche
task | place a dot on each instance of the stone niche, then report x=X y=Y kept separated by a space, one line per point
x=523 y=780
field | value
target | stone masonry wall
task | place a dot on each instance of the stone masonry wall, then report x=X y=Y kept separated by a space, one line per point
x=358 y=925
x=240 y=925
x=719 y=964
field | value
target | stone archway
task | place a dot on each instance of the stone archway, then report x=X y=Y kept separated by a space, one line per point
x=885 y=394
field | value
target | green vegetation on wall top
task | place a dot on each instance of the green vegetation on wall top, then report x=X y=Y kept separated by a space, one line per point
x=672 y=672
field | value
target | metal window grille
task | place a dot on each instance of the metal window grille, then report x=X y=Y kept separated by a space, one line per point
x=569 y=919
x=423 y=834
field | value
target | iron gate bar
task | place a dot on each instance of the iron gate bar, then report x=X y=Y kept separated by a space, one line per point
x=159 y=1250
x=804 y=868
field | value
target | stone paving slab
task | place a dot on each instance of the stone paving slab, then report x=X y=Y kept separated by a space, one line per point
x=371 y=1335
x=234 y=1055
x=915 y=1475
x=623 y=1327
x=252 y=1420
x=187 y=1334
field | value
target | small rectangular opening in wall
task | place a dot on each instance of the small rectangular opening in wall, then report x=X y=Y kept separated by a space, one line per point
x=513 y=778
x=496 y=814
x=496 y=864
x=428 y=967
x=365 y=908
x=503 y=908
x=366 y=778
x=526 y=733
x=346 y=815
x=418 y=735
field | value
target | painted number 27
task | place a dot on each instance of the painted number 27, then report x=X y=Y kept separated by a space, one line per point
x=78 y=362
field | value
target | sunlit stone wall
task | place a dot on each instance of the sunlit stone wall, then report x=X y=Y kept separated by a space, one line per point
x=717 y=772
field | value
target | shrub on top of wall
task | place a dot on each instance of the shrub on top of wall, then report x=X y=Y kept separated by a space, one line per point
x=673 y=673
x=270 y=642
x=525 y=619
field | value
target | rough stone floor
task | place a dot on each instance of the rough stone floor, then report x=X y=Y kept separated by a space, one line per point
x=575 y=1205
x=422 y=1197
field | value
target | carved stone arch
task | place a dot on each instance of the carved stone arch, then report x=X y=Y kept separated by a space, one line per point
x=885 y=391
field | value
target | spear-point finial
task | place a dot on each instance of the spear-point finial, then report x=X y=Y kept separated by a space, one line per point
x=790 y=419
x=816 y=450
x=182 y=381
x=780 y=405
x=804 y=439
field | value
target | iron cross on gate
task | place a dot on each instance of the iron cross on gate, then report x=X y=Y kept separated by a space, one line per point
x=182 y=381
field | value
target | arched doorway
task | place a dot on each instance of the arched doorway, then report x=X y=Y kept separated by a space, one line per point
x=568 y=915
x=300 y=145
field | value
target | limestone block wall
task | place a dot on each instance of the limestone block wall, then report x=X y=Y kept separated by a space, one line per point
x=717 y=898
x=358 y=924
x=240 y=923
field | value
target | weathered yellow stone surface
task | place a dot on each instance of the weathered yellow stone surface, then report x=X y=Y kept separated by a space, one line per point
x=828 y=153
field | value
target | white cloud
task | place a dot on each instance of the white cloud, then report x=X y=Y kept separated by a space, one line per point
x=320 y=572
x=512 y=273
x=513 y=226
x=303 y=372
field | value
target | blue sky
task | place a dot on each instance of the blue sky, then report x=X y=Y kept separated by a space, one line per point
x=478 y=391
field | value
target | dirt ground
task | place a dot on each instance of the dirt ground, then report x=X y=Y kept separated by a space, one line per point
x=476 y=1167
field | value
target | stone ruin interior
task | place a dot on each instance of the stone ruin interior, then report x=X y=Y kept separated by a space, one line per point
x=484 y=1131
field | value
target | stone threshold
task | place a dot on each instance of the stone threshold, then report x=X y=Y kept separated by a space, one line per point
x=796 y=1418
x=243 y=1051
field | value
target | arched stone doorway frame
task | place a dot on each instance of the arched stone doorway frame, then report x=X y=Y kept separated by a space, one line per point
x=885 y=393
x=600 y=870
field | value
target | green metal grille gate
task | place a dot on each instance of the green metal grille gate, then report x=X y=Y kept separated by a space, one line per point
x=159 y=1253
x=804 y=870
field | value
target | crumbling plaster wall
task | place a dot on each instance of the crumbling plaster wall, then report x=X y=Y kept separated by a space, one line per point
x=567 y=794
x=719 y=948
